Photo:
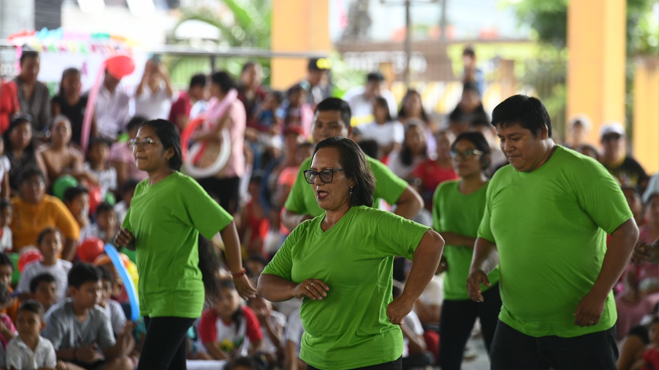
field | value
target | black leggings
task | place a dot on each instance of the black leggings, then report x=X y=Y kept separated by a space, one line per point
x=457 y=322
x=393 y=365
x=165 y=344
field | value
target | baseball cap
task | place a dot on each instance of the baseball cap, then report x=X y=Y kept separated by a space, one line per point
x=320 y=64
x=612 y=128
x=294 y=129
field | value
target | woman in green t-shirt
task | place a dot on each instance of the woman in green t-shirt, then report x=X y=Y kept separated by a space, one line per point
x=168 y=212
x=341 y=265
x=458 y=208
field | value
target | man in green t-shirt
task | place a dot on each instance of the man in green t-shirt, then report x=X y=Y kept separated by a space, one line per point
x=546 y=220
x=332 y=118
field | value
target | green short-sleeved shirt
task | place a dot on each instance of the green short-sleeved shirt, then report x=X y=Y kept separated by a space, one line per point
x=302 y=198
x=166 y=219
x=349 y=328
x=461 y=214
x=550 y=229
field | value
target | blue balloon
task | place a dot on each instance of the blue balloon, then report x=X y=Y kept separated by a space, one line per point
x=118 y=263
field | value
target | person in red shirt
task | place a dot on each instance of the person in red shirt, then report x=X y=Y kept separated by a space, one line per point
x=9 y=105
x=433 y=172
x=180 y=112
x=229 y=330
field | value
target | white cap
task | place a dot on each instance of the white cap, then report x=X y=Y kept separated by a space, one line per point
x=612 y=128
x=581 y=118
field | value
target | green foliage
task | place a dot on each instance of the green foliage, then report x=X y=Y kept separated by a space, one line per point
x=250 y=28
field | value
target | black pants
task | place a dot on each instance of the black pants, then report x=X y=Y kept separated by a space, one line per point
x=457 y=322
x=164 y=345
x=393 y=365
x=512 y=350
x=227 y=191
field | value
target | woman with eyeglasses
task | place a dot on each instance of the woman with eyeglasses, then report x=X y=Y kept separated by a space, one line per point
x=458 y=208
x=167 y=213
x=341 y=262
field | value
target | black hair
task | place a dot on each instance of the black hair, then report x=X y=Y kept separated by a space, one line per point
x=46 y=231
x=71 y=193
x=382 y=102
x=406 y=156
x=135 y=122
x=581 y=147
x=374 y=77
x=26 y=54
x=482 y=122
x=97 y=141
x=106 y=275
x=104 y=207
x=33 y=306
x=524 y=110
x=41 y=278
x=293 y=89
x=336 y=104
x=237 y=317
x=224 y=80
x=257 y=258
x=209 y=265
x=243 y=362
x=402 y=113
x=469 y=50
x=247 y=65
x=17 y=120
x=370 y=148
x=353 y=161
x=129 y=185
x=4 y=204
x=469 y=86
x=278 y=96
x=5 y=295
x=257 y=177
x=5 y=260
x=169 y=136
x=198 y=80
x=83 y=272
x=305 y=144
x=30 y=172
x=650 y=198
x=66 y=73
x=479 y=142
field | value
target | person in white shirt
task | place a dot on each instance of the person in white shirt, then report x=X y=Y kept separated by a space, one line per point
x=28 y=350
x=154 y=95
x=5 y=167
x=361 y=99
x=112 y=107
x=272 y=326
x=50 y=246
x=112 y=308
x=5 y=220
x=387 y=132
x=293 y=338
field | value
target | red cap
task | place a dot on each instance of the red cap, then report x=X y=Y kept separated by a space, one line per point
x=294 y=129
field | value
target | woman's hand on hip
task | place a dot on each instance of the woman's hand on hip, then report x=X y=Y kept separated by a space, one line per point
x=244 y=287
x=124 y=238
x=311 y=288
x=398 y=309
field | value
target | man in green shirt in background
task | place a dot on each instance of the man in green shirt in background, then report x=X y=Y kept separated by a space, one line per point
x=332 y=118
x=546 y=220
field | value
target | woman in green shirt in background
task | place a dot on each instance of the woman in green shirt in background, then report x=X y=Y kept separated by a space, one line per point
x=166 y=216
x=341 y=263
x=458 y=208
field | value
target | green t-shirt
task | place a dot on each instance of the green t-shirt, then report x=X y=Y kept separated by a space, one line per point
x=349 y=328
x=461 y=214
x=302 y=198
x=550 y=229
x=166 y=219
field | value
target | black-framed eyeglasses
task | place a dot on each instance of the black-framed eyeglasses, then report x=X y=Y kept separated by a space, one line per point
x=326 y=176
x=465 y=154
x=145 y=143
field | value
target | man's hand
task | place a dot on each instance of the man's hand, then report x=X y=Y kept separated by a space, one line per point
x=88 y=354
x=589 y=310
x=474 y=281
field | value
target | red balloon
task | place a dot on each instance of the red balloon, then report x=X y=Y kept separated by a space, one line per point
x=28 y=256
x=94 y=199
x=90 y=249
x=120 y=66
